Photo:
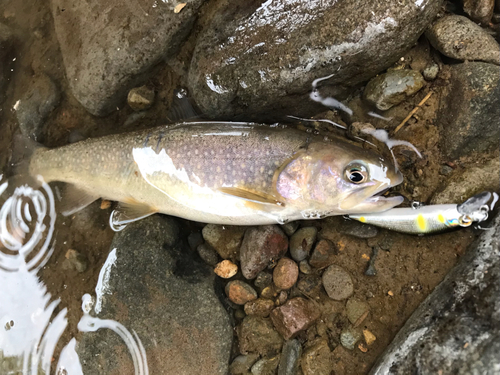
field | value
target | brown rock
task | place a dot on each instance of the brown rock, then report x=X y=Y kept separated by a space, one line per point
x=270 y=292
x=261 y=307
x=256 y=334
x=317 y=360
x=310 y=285
x=261 y=246
x=296 y=315
x=323 y=255
x=226 y=269
x=240 y=292
x=225 y=239
x=338 y=283
x=480 y=10
x=285 y=273
x=356 y=311
x=301 y=242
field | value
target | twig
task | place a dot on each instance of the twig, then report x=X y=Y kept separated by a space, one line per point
x=413 y=112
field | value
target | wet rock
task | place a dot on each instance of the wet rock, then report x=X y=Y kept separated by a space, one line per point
x=317 y=360
x=470 y=114
x=241 y=364
x=310 y=285
x=260 y=246
x=225 y=239
x=261 y=307
x=480 y=10
x=256 y=334
x=431 y=72
x=285 y=273
x=460 y=38
x=294 y=316
x=290 y=228
x=242 y=61
x=456 y=329
x=357 y=229
x=290 y=357
x=240 y=292
x=266 y=366
x=356 y=310
x=305 y=267
x=349 y=337
x=323 y=255
x=106 y=56
x=75 y=261
x=155 y=283
x=36 y=105
x=466 y=183
x=263 y=280
x=140 y=98
x=208 y=254
x=389 y=89
x=337 y=283
x=226 y=269
x=301 y=242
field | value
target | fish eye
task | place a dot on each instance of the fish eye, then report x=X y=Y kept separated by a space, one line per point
x=356 y=173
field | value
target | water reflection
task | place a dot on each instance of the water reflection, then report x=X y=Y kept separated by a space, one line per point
x=30 y=327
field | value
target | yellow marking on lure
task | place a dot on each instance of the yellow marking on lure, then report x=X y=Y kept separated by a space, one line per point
x=422 y=225
x=441 y=219
x=362 y=219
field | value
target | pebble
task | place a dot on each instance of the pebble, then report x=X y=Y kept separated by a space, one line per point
x=256 y=334
x=460 y=38
x=140 y=98
x=370 y=268
x=241 y=364
x=195 y=239
x=75 y=261
x=225 y=239
x=261 y=246
x=369 y=337
x=266 y=366
x=305 y=267
x=391 y=88
x=349 y=337
x=323 y=254
x=261 y=307
x=285 y=273
x=317 y=359
x=208 y=254
x=310 y=285
x=294 y=316
x=301 y=242
x=270 y=292
x=240 y=292
x=290 y=357
x=290 y=228
x=431 y=72
x=282 y=297
x=337 y=283
x=226 y=269
x=480 y=10
x=263 y=280
x=357 y=229
x=356 y=310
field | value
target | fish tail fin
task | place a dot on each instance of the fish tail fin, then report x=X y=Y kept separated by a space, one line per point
x=23 y=151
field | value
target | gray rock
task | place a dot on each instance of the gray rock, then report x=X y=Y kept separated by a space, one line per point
x=469 y=114
x=290 y=228
x=140 y=98
x=305 y=267
x=480 y=10
x=290 y=358
x=350 y=336
x=266 y=366
x=36 y=105
x=110 y=47
x=356 y=309
x=456 y=329
x=338 y=283
x=242 y=364
x=460 y=38
x=391 y=88
x=431 y=72
x=301 y=242
x=163 y=294
x=255 y=59
x=208 y=254
x=357 y=229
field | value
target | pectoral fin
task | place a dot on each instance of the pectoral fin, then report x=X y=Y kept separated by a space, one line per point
x=257 y=197
x=74 y=199
x=130 y=211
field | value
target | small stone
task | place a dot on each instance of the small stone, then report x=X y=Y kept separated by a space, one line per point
x=282 y=297
x=226 y=269
x=266 y=366
x=310 y=285
x=240 y=292
x=305 y=267
x=225 y=239
x=369 y=337
x=140 y=98
x=256 y=334
x=480 y=10
x=460 y=38
x=263 y=280
x=337 y=283
x=357 y=229
x=270 y=292
x=294 y=316
x=356 y=309
x=261 y=307
x=105 y=204
x=76 y=261
x=260 y=247
x=301 y=242
x=389 y=89
x=290 y=357
x=285 y=273
x=349 y=337
x=195 y=239
x=317 y=360
x=239 y=314
x=208 y=254
x=431 y=72
x=241 y=364
x=290 y=228
x=362 y=347
x=323 y=254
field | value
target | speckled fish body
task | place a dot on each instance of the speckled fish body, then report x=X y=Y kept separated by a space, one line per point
x=226 y=173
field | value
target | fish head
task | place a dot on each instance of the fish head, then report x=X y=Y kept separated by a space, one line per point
x=338 y=178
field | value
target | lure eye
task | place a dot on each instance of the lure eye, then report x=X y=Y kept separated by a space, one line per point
x=464 y=221
x=356 y=173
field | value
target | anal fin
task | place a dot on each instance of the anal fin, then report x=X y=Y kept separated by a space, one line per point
x=74 y=199
x=130 y=211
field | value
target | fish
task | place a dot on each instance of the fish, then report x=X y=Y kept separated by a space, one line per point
x=231 y=173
